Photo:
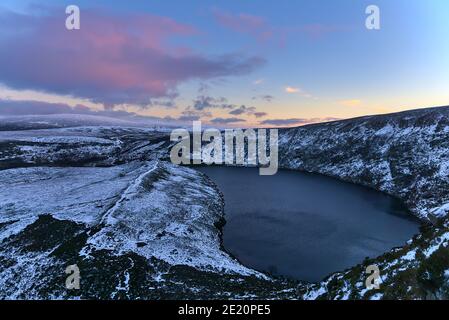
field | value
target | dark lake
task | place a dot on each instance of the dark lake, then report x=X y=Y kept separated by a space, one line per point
x=306 y=226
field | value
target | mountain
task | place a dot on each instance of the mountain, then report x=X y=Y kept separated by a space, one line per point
x=107 y=199
x=52 y=121
x=58 y=121
x=403 y=154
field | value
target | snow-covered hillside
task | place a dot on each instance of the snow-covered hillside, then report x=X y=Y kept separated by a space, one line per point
x=404 y=154
x=89 y=146
x=107 y=199
x=150 y=216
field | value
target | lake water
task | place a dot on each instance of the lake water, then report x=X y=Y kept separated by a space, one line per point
x=306 y=226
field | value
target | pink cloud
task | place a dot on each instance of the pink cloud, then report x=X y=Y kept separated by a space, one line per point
x=245 y=23
x=259 y=28
x=317 y=30
x=111 y=60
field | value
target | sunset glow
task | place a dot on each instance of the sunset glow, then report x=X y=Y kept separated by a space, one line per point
x=230 y=63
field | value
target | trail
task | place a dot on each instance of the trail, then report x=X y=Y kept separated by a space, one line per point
x=131 y=190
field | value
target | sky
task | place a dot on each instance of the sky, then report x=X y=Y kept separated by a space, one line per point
x=225 y=62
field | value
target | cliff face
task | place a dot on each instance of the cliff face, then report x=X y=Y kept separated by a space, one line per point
x=404 y=154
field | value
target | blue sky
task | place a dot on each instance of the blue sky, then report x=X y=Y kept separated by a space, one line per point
x=285 y=59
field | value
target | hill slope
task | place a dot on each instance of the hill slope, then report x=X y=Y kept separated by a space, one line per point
x=404 y=154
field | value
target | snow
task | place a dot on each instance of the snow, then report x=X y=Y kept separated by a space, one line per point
x=65 y=139
x=404 y=154
x=410 y=256
x=156 y=203
x=377 y=296
x=172 y=210
x=75 y=194
x=313 y=295
x=127 y=195
x=440 y=211
x=387 y=130
x=442 y=240
x=156 y=215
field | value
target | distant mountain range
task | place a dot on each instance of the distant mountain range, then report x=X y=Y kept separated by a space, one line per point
x=53 y=121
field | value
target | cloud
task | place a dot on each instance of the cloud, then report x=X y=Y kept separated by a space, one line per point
x=13 y=108
x=169 y=104
x=243 y=110
x=187 y=118
x=318 y=30
x=227 y=120
x=253 y=25
x=207 y=102
x=18 y=108
x=292 y=89
x=260 y=114
x=204 y=102
x=190 y=114
x=350 y=103
x=258 y=82
x=295 y=121
x=261 y=30
x=112 y=60
x=295 y=90
x=266 y=97
x=30 y=107
x=251 y=111
x=22 y=108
